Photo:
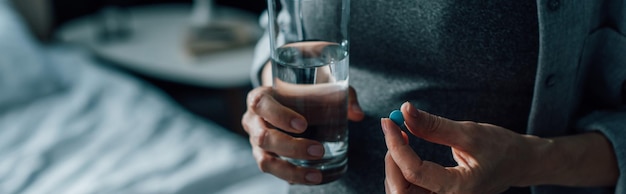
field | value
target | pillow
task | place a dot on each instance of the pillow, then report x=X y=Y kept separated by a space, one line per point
x=24 y=75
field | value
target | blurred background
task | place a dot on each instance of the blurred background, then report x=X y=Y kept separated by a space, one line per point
x=65 y=10
x=197 y=51
x=127 y=96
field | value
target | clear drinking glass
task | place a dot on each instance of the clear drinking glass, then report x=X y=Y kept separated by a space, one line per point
x=310 y=57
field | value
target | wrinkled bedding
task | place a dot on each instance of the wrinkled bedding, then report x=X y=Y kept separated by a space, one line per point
x=83 y=128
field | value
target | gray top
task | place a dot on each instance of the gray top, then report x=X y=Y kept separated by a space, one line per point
x=466 y=60
x=405 y=43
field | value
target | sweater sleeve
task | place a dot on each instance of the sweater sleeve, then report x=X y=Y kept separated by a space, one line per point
x=613 y=125
x=261 y=52
x=606 y=92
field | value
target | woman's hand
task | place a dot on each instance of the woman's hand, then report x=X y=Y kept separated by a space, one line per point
x=264 y=116
x=490 y=158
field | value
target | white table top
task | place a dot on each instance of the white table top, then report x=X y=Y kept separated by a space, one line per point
x=156 y=47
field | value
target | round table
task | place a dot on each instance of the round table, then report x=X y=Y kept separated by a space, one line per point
x=155 y=46
x=213 y=86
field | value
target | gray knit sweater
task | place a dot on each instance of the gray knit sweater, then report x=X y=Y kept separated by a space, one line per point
x=464 y=60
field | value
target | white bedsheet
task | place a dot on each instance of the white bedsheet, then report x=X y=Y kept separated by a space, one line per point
x=105 y=132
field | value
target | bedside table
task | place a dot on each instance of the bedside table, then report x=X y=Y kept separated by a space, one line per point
x=211 y=85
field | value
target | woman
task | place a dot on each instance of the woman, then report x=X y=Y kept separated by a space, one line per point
x=551 y=69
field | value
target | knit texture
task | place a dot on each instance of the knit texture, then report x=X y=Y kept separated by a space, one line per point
x=464 y=60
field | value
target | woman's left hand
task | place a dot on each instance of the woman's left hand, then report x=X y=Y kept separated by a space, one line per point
x=490 y=158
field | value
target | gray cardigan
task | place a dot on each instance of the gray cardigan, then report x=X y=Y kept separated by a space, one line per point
x=581 y=76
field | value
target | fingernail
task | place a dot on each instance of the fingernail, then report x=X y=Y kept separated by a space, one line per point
x=383 y=125
x=313 y=177
x=298 y=124
x=413 y=112
x=315 y=150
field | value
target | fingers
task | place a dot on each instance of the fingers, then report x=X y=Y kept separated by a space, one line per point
x=263 y=115
x=277 y=142
x=261 y=102
x=269 y=163
x=355 y=113
x=264 y=136
x=424 y=174
x=394 y=180
x=434 y=128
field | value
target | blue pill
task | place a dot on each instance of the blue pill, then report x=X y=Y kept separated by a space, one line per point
x=396 y=117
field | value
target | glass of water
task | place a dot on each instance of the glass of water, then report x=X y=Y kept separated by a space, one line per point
x=310 y=57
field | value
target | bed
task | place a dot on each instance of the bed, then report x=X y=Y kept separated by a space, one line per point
x=70 y=125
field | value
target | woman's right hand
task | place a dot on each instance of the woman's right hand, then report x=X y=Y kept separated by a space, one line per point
x=262 y=121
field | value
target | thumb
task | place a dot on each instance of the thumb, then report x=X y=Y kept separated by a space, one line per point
x=433 y=128
x=355 y=113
